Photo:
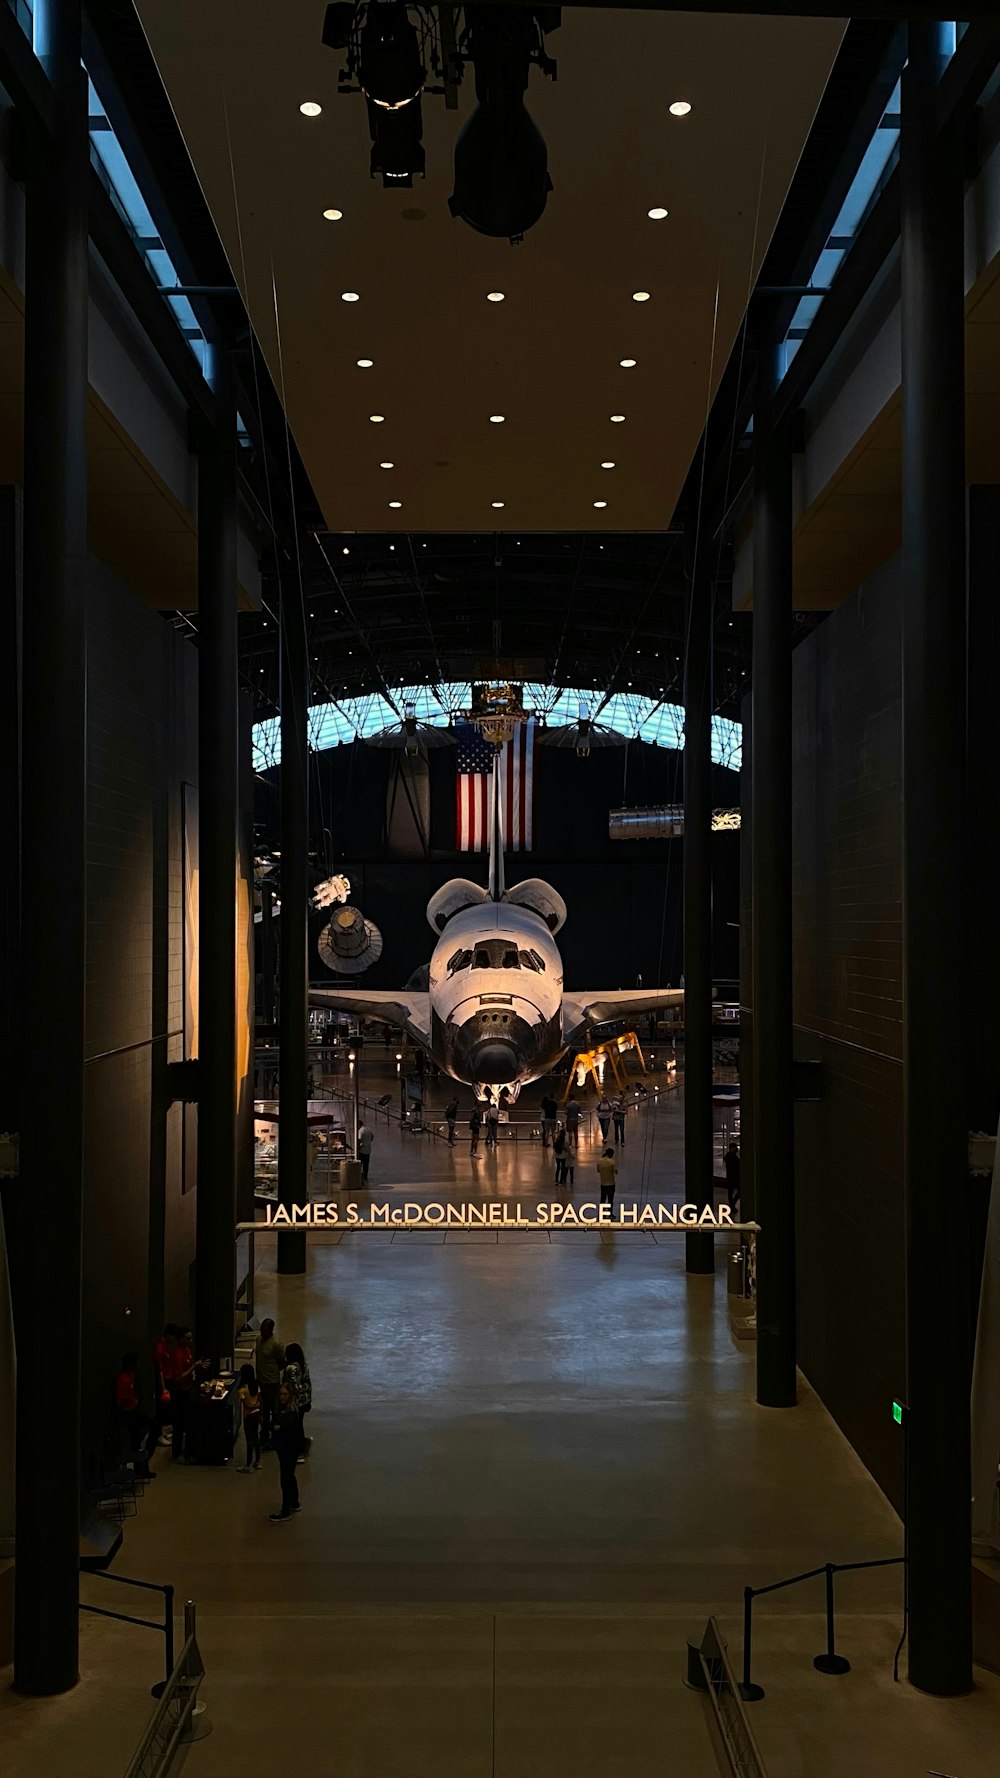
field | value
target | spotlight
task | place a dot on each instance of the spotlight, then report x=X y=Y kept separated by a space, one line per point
x=397 y=144
x=383 y=53
x=501 y=162
x=392 y=76
x=391 y=72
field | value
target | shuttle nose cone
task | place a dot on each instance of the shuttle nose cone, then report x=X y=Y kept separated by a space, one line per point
x=496 y=1064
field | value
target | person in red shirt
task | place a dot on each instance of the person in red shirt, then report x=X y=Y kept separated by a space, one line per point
x=163 y=1360
x=137 y=1424
x=180 y=1384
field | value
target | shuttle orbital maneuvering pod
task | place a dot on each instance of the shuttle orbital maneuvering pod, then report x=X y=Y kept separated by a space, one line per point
x=494 y=1013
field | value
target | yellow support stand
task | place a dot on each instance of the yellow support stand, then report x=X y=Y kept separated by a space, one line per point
x=612 y=1050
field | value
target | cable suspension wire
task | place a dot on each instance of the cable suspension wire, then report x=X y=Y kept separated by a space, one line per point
x=699 y=511
x=254 y=349
x=356 y=626
x=418 y=582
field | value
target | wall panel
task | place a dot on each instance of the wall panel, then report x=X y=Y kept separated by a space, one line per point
x=847 y=742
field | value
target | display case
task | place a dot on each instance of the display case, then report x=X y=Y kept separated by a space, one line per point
x=328 y=1147
x=213 y=1419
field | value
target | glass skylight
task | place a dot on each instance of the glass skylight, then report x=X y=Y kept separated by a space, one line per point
x=877 y=163
x=116 y=176
x=356 y=718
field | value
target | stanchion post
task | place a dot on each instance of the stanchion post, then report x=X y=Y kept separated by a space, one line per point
x=831 y=1661
x=168 y=1627
x=750 y=1693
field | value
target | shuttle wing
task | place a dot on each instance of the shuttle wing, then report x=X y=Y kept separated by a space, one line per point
x=409 y=1010
x=582 y=1011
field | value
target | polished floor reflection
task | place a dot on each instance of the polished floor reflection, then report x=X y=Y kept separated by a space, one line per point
x=537 y=1468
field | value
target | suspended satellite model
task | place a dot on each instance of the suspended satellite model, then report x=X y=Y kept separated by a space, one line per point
x=350 y=943
x=583 y=734
x=413 y=734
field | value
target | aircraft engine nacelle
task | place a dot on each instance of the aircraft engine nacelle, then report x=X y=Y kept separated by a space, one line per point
x=542 y=899
x=451 y=898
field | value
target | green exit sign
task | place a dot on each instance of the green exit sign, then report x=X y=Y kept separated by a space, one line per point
x=898 y=1412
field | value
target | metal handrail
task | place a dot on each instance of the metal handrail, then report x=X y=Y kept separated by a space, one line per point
x=166 y=1629
x=712 y=1673
x=170 y=1722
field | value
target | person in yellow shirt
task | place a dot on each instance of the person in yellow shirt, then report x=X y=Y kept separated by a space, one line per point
x=250 y=1401
x=607 y=1173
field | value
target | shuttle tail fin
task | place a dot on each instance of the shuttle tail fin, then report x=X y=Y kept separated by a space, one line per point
x=496 y=877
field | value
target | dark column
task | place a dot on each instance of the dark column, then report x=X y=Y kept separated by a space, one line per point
x=982 y=973
x=218 y=756
x=10 y=801
x=47 y=1248
x=748 y=1200
x=293 y=1157
x=935 y=1161
x=698 y=1145
x=771 y=869
x=266 y=954
x=245 y=982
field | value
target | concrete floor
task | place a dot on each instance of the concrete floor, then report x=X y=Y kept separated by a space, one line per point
x=537 y=1469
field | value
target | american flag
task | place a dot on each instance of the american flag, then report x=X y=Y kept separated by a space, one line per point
x=474 y=788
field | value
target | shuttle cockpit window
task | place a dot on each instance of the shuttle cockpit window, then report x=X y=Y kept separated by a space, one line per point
x=459 y=960
x=495 y=953
x=531 y=960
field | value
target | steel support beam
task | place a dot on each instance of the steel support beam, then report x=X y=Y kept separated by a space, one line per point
x=816 y=9
x=771 y=868
x=935 y=1159
x=293 y=1153
x=698 y=1135
x=265 y=952
x=47 y=1255
x=218 y=849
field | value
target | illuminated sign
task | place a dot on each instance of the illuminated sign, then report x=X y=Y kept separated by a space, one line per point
x=504 y=1214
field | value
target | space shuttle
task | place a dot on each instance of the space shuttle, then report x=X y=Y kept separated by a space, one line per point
x=494 y=1013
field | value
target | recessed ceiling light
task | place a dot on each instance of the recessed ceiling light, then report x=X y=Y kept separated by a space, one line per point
x=600 y=503
x=387 y=466
x=496 y=503
x=658 y=214
x=365 y=363
x=497 y=419
x=396 y=504
x=679 y=108
x=333 y=215
x=640 y=296
x=607 y=465
x=376 y=419
x=309 y=108
x=349 y=296
x=494 y=296
x=617 y=419
x=627 y=363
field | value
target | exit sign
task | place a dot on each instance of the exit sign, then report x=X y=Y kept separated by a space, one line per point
x=899 y=1413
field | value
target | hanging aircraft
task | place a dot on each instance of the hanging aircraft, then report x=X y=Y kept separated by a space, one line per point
x=494 y=1013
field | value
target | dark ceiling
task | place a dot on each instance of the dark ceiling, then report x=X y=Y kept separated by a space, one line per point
x=569 y=609
x=578 y=608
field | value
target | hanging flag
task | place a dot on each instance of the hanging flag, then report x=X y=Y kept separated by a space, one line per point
x=474 y=787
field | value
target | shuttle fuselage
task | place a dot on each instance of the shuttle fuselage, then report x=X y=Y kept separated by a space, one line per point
x=495 y=991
